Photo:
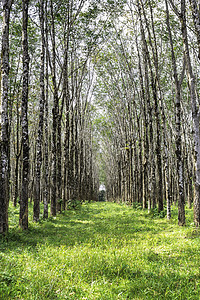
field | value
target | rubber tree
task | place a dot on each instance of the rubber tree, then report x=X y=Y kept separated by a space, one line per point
x=23 y=216
x=4 y=122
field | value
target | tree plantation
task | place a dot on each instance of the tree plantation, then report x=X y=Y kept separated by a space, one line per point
x=99 y=92
x=99 y=149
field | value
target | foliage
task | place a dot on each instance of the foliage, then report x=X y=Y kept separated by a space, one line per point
x=101 y=251
x=155 y=213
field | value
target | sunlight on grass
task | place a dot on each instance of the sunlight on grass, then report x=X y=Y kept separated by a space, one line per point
x=101 y=251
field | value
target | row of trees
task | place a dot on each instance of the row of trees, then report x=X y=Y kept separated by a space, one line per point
x=99 y=92
x=47 y=80
x=149 y=86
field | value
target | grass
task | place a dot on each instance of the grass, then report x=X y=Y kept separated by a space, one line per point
x=101 y=251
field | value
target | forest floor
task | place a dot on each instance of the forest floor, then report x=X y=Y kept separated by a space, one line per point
x=101 y=251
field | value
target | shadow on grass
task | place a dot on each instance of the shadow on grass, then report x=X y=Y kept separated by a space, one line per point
x=102 y=220
x=79 y=226
x=149 y=274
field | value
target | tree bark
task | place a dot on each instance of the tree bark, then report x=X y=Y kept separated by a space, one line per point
x=154 y=79
x=4 y=123
x=37 y=193
x=23 y=217
x=195 y=113
x=46 y=118
x=55 y=121
x=196 y=19
x=181 y=200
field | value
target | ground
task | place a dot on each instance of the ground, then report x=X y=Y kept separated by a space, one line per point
x=101 y=251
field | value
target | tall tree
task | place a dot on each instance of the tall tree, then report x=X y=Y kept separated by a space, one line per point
x=36 y=209
x=195 y=112
x=4 y=123
x=55 y=113
x=23 y=217
x=46 y=117
x=154 y=76
x=178 y=82
x=196 y=19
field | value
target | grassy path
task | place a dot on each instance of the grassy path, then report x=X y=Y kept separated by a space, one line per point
x=101 y=251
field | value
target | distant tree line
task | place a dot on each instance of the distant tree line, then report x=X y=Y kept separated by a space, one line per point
x=148 y=88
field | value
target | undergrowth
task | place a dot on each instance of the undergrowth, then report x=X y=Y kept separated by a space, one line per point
x=101 y=251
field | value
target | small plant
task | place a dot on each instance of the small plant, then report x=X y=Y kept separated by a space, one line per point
x=154 y=213
x=73 y=204
x=137 y=205
x=60 y=201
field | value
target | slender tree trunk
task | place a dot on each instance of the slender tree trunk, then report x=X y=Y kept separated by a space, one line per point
x=196 y=18
x=145 y=141
x=71 y=164
x=4 y=123
x=59 y=165
x=23 y=217
x=195 y=113
x=17 y=156
x=36 y=207
x=76 y=155
x=66 y=157
x=55 y=120
x=181 y=200
x=46 y=129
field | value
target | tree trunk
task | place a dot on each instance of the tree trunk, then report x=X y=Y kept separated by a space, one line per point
x=181 y=199
x=46 y=129
x=55 y=120
x=4 y=124
x=195 y=114
x=37 y=196
x=23 y=218
x=196 y=19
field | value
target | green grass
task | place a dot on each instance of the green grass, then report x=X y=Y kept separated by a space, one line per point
x=101 y=251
